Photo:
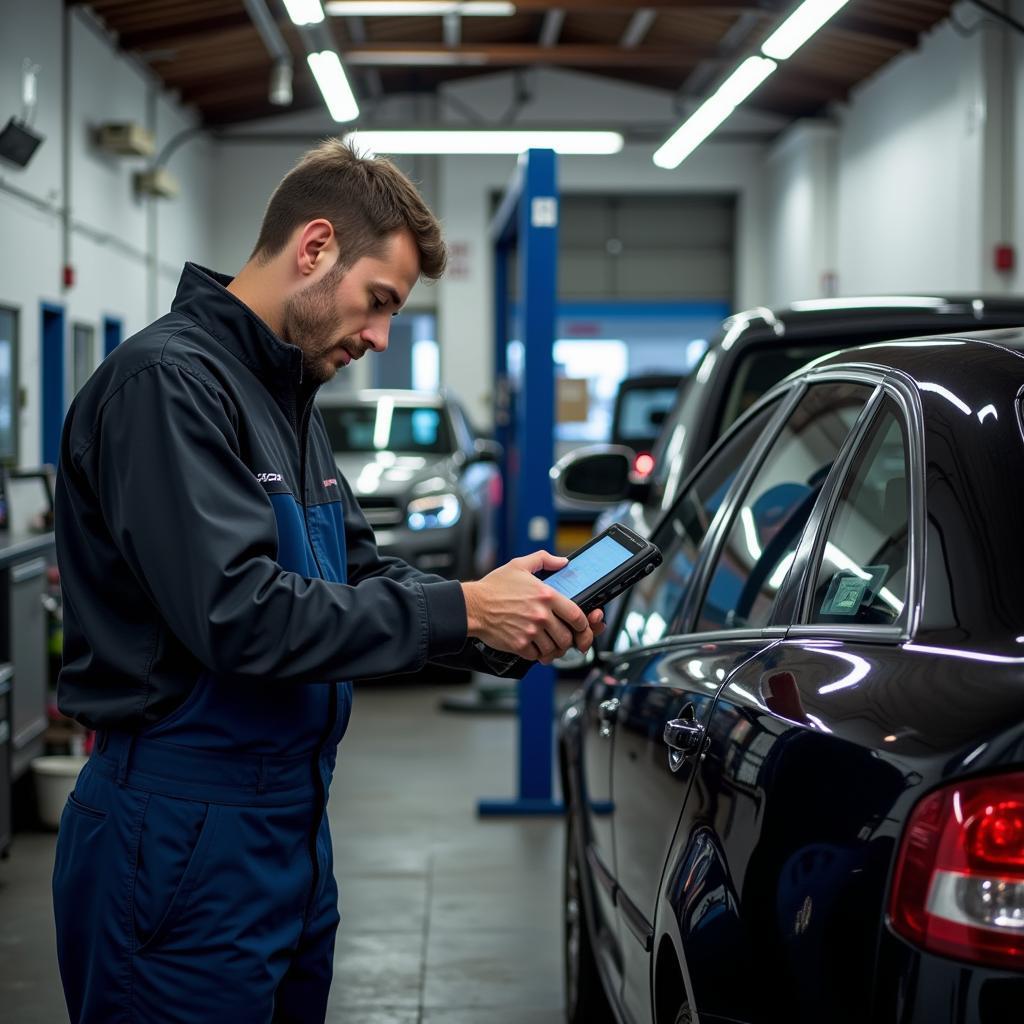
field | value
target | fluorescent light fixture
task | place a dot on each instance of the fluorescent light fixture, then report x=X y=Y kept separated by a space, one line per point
x=419 y=8
x=304 y=12
x=497 y=142
x=420 y=58
x=713 y=111
x=330 y=76
x=799 y=27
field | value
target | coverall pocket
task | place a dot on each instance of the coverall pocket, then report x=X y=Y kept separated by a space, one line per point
x=76 y=805
x=175 y=838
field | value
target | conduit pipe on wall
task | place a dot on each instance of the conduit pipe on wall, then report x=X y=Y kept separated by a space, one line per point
x=278 y=50
x=65 y=131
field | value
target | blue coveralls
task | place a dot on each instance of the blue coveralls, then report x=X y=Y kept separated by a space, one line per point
x=196 y=884
x=205 y=537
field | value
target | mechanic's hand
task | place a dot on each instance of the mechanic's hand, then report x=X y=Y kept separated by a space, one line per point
x=511 y=610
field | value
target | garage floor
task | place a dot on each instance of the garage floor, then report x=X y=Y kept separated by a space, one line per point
x=445 y=917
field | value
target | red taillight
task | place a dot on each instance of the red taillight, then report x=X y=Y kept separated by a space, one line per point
x=496 y=491
x=958 y=889
x=643 y=464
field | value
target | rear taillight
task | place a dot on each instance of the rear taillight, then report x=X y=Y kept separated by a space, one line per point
x=958 y=889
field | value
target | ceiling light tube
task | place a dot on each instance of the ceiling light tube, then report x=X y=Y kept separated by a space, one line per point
x=419 y=8
x=304 y=12
x=713 y=111
x=571 y=143
x=799 y=27
x=330 y=77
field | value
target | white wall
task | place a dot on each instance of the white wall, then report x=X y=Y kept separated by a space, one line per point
x=110 y=244
x=911 y=181
x=800 y=215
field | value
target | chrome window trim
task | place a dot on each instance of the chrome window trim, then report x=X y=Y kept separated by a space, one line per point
x=900 y=388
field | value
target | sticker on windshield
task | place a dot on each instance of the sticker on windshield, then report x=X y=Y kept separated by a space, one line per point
x=848 y=589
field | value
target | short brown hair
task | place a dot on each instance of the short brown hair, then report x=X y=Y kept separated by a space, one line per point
x=366 y=199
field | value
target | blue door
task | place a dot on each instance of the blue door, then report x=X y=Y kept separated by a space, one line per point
x=52 y=339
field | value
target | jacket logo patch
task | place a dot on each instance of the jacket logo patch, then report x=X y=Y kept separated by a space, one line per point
x=331 y=482
x=269 y=478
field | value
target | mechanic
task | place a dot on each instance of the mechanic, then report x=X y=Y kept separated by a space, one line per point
x=219 y=578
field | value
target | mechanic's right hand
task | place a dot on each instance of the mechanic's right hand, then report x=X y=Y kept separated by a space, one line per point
x=511 y=610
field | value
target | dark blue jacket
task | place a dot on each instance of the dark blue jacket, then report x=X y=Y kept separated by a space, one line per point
x=213 y=560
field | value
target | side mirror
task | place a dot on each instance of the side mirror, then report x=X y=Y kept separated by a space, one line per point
x=595 y=475
x=640 y=490
x=487 y=451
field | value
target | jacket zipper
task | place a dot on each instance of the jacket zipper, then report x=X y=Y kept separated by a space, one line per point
x=318 y=782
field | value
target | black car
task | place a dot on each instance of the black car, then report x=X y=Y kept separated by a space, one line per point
x=752 y=351
x=795 y=783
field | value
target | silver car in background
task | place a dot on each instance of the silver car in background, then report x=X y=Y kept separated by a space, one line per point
x=427 y=484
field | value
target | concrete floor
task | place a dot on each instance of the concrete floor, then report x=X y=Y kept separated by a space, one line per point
x=445 y=917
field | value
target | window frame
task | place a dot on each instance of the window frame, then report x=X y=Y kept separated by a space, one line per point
x=776 y=629
x=12 y=459
x=898 y=387
x=78 y=326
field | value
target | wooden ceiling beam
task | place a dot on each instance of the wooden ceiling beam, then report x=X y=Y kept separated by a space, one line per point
x=173 y=38
x=872 y=31
x=511 y=54
x=737 y=7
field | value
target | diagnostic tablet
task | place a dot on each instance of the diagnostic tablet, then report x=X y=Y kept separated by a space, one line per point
x=600 y=570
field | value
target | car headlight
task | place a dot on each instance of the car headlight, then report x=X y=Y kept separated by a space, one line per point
x=433 y=511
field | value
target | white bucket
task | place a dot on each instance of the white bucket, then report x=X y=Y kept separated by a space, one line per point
x=55 y=777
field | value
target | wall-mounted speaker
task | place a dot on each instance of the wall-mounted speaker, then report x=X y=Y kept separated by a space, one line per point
x=18 y=142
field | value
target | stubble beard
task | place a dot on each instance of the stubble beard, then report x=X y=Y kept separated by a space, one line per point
x=309 y=322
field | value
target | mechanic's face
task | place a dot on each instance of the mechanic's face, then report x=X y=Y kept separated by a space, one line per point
x=344 y=313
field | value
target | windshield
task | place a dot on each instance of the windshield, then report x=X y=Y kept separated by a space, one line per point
x=387 y=427
x=641 y=412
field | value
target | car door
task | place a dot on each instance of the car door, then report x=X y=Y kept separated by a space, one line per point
x=787 y=800
x=665 y=706
x=641 y=623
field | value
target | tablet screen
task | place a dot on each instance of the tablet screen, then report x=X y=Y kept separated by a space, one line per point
x=587 y=568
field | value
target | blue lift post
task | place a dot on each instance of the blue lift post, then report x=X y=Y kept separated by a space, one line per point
x=528 y=220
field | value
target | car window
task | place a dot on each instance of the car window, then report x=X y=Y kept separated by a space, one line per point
x=755 y=371
x=762 y=540
x=387 y=427
x=653 y=605
x=760 y=368
x=862 y=577
x=641 y=413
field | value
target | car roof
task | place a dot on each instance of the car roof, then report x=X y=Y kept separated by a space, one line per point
x=963 y=358
x=651 y=380
x=870 y=317
x=371 y=396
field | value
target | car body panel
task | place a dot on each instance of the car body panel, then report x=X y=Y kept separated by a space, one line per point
x=762 y=866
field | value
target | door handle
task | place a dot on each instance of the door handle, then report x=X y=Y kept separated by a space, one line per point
x=606 y=713
x=684 y=735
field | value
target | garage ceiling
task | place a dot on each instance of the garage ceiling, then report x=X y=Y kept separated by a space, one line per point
x=211 y=54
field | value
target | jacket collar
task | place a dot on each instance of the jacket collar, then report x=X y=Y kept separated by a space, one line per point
x=202 y=296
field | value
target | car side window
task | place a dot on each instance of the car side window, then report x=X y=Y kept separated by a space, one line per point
x=762 y=540
x=653 y=605
x=862 y=577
